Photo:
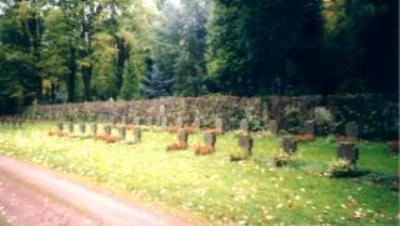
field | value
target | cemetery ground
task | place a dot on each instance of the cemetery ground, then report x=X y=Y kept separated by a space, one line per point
x=250 y=192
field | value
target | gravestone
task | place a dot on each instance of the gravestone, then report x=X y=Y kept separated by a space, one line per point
x=265 y=117
x=273 y=127
x=137 y=133
x=219 y=125
x=352 y=130
x=122 y=132
x=94 y=129
x=179 y=122
x=149 y=121
x=289 y=144
x=197 y=123
x=136 y=121
x=164 y=122
x=60 y=126
x=114 y=120
x=244 y=125
x=123 y=120
x=183 y=136
x=210 y=139
x=82 y=128
x=108 y=130
x=162 y=110
x=71 y=127
x=246 y=143
x=347 y=151
x=309 y=127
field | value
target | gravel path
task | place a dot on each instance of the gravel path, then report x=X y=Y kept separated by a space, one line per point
x=30 y=196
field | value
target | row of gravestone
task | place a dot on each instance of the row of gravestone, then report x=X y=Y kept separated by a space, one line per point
x=107 y=130
x=14 y=122
x=345 y=150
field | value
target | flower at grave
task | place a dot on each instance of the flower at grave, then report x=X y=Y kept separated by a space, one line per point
x=177 y=146
x=203 y=149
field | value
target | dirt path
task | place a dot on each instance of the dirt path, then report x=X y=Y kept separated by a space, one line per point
x=31 y=196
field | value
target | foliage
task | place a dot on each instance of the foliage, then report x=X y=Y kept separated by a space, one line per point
x=58 y=51
x=340 y=168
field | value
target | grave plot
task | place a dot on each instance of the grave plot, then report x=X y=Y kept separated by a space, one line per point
x=278 y=178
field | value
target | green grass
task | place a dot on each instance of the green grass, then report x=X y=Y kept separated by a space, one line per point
x=251 y=192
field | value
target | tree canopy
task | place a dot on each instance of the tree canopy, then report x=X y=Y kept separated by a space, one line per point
x=82 y=50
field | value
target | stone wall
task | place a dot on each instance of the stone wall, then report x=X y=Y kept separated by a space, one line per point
x=376 y=116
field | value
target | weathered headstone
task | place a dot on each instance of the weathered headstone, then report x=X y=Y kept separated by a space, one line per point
x=137 y=133
x=82 y=128
x=179 y=122
x=114 y=120
x=289 y=144
x=265 y=115
x=244 y=125
x=149 y=121
x=123 y=120
x=71 y=127
x=162 y=110
x=273 y=127
x=309 y=127
x=108 y=130
x=94 y=129
x=352 y=130
x=210 y=139
x=122 y=132
x=219 y=125
x=348 y=152
x=197 y=123
x=246 y=143
x=60 y=126
x=183 y=136
x=136 y=121
x=164 y=122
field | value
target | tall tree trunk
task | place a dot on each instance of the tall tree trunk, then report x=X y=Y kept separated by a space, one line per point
x=123 y=54
x=72 y=74
x=87 y=81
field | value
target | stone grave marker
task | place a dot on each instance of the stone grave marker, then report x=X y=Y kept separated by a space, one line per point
x=347 y=151
x=71 y=127
x=289 y=144
x=183 y=136
x=136 y=121
x=197 y=123
x=179 y=122
x=210 y=139
x=137 y=133
x=309 y=127
x=162 y=110
x=246 y=143
x=244 y=125
x=82 y=128
x=164 y=122
x=60 y=126
x=122 y=132
x=149 y=121
x=352 y=130
x=108 y=130
x=94 y=129
x=219 y=125
x=273 y=127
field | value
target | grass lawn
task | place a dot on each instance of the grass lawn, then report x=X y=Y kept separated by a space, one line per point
x=251 y=192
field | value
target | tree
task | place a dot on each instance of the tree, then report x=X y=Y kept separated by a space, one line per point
x=154 y=85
